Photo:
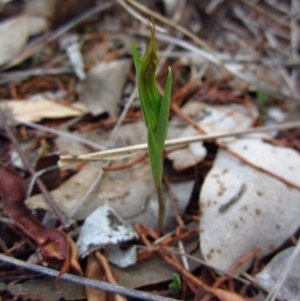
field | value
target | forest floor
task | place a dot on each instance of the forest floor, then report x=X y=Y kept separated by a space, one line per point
x=78 y=207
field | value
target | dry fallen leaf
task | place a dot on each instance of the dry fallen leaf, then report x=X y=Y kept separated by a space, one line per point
x=46 y=288
x=127 y=201
x=95 y=271
x=56 y=246
x=103 y=86
x=14 y=33
x=270 y=274
x=29 y=110
x=103 y=227
x=98 y=268
x=241 y=205
x=109 y=275
x=39 y=12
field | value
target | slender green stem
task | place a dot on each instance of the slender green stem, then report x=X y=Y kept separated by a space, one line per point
x=161 y=208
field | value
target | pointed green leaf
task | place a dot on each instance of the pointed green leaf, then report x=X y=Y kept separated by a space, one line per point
x=149 y=95
x=155 y=159
x=163 y=117
x=136 y=58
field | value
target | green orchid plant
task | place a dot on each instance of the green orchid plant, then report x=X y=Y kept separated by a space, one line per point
x=156 y=114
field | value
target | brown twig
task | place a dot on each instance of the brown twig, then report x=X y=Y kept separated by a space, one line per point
x=178 y=237
x=172 y=260
x=174 y=202
x=125 y=166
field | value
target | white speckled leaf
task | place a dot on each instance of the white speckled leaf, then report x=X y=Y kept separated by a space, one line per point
x=103 y=227
x=265 y=213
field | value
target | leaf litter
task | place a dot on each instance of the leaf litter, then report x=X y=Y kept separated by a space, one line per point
x=247 y=186
x=55 y=245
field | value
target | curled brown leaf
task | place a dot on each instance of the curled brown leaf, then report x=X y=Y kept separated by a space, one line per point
x=95 y=271
x=99 y=268
x=57 y=248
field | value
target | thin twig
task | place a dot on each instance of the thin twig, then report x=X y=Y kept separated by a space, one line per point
x=196 y=259
x=233 y=269
x=268 y=14
x=12 y=76
x=36 y=176
x=294 y=34
x=136 y=15
x=184 y=260
x=58 y=133
x=174 y=202
x=126 y=166
x=176 y=26
x=123 y=114
x=125 y=152
x=171 y=259
x=252 y=26
x=91 y=188
x=84 y=281
x=258 y=167
x=170 y=47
